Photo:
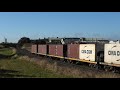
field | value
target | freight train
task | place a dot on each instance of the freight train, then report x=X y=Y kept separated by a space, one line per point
x=98 y=55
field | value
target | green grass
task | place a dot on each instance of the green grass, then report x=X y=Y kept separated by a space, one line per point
x=6 y=51
x=16 y=68
x=20 y=68
x=23 y=68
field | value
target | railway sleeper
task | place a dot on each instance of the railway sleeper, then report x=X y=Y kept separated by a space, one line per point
x=91 y=65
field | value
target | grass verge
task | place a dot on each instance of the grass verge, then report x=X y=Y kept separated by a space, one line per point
x=7 y=51
x=16 y=68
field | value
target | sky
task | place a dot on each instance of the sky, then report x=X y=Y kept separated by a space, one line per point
x=34 y=25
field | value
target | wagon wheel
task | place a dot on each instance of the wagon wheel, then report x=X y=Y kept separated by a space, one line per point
x=114 y=70
x=77 y=63
x=74 y=62
x=50 y=58
x=65 y=60
x=62 y=59
x=68 y=61
x=91 y=65
x=106 y=68
x=96 y=66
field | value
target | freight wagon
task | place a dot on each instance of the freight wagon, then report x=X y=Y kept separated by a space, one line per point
x=34 y=49
x=94 y=54
x=112 y=54
x=91 y=53
x=111 y=57
x=57 y=50
x=42 y=49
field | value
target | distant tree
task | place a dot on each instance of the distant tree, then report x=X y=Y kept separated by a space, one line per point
x=23 y=40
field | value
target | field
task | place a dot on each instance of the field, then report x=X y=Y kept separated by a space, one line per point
x=16 y=68
x=6 y=51
x=31 y=66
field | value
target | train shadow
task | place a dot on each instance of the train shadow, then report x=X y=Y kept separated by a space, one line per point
x=10 y=74
x=24 y=52
x=5 y=56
